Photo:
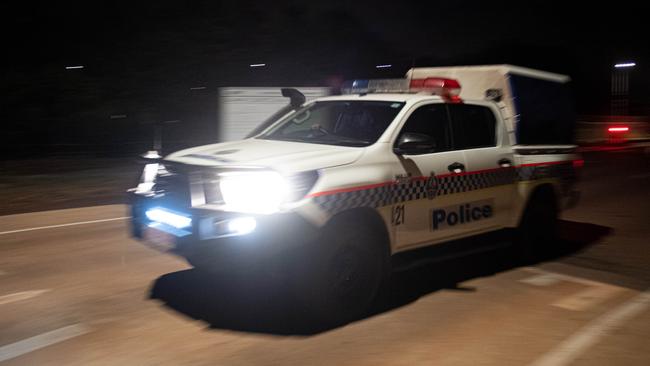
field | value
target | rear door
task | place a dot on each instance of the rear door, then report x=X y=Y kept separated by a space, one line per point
x=478 y=132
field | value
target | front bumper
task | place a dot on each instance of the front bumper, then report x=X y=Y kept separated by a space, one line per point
x=203 y=244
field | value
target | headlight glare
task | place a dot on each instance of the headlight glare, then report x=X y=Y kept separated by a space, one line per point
x=253 y=192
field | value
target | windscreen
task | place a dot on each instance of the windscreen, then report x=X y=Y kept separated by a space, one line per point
x=345 y=123
x=545 y=111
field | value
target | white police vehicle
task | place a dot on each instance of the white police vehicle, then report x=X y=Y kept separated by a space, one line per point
x=331 y=189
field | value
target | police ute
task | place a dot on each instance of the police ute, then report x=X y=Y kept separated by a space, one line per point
x=326 y=192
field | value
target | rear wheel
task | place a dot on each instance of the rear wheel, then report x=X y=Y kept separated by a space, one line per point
x=537 y=232
x=340 y=275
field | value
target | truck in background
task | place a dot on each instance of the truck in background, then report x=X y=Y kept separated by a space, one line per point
x=242 y=109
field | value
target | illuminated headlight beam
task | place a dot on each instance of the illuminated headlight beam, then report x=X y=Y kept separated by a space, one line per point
x=242 y=225
x=253 y=192
x=169 y=218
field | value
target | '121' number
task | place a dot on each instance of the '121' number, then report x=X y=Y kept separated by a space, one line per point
x=398 y=215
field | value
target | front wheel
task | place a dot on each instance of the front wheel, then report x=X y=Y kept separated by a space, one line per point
x=340 y=275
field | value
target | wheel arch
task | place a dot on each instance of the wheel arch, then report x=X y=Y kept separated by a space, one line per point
x=548 y=190
x=373 y=218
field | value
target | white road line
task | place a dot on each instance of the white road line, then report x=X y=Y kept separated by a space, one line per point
x=588 y=298
x=64 y=225
x=20 y=348
x=544 y=279
x=576 y=344
x=19 y=296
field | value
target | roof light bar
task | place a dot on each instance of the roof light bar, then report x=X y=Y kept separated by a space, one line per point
x=439 y=86
x=446 y=88
x=375 y=86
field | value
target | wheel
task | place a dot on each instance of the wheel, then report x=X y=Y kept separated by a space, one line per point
x=340 y=275
x=537 y=232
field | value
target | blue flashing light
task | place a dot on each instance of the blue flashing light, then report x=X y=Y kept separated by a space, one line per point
x=355 y=86
x=360 y=86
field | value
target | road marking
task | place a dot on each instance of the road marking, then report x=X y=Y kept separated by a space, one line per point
x=20 y=348
x=544 y=279
x=588 y=298
x=576 y=344
x=596 y=293
x=19 y=296
x=564 y=277
x=64 y=225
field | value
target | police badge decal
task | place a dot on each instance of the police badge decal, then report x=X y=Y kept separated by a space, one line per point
x=431 y=186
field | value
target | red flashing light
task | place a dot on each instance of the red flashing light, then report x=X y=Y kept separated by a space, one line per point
x=453 y=99
x=618 y=129
x=447 y=88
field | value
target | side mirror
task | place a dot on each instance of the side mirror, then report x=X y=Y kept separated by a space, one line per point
x=411 y=143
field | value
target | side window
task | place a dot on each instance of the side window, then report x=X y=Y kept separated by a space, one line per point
x=474 y=126
x=431 y=120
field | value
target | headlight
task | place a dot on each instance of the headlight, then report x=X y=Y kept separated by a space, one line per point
x=253 y=192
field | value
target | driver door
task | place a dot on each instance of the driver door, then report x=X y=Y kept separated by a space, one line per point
x=420 y=179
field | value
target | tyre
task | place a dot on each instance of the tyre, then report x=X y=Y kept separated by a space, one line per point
x=341 y=272
x=536 y=235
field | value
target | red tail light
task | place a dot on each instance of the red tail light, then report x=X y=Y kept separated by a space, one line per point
x=618 y=129
x=579 y=163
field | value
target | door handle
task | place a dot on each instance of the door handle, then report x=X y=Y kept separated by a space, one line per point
x=456 y=167
x=505 y=163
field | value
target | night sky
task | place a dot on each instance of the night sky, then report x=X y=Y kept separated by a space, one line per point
x=141 y=58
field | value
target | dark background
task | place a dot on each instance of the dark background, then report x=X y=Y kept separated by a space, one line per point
x=141 y=58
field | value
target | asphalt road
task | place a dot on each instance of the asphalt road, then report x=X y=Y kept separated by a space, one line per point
x=75 y=290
